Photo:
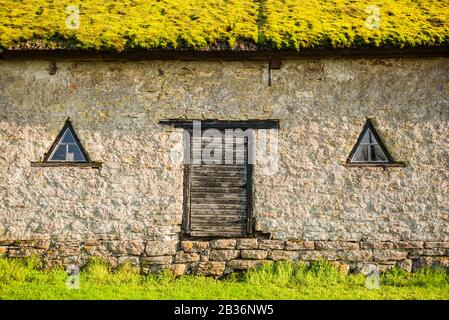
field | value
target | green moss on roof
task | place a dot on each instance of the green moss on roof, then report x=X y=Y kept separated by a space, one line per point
x=126 y=24
x=351 y=23
x=223 y=24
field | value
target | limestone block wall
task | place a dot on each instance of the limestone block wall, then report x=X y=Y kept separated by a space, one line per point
x=222 y=256
x=136 y=197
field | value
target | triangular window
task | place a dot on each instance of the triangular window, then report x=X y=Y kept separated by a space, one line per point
x=67 y=147
x=369 y=148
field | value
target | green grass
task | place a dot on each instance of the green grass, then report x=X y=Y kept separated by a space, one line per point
x=22 y=279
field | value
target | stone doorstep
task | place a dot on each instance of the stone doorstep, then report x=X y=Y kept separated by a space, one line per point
x=223 y=244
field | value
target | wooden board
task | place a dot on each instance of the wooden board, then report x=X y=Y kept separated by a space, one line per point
x=218 y=192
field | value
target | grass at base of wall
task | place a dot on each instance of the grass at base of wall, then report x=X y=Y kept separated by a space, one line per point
x=23 y=279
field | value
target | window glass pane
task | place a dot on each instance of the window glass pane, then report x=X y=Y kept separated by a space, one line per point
x=366 y=137
x=75 y=153
x=68 y=137
x=59 y=154
x=377 y=154
x=361 y=154
x=373 y=140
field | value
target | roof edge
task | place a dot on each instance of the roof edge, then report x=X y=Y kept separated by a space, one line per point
x=161 y=54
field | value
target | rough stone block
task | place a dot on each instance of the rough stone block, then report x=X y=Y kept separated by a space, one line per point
x=336 y=245
x=160 y=248
x=247 y=244
x=408 y=245
x=210 y=268
x=223 y=244
x=433 y=262
x=283 y=255
x=439 y=245
x=223 y=255
x=380 y=245
x=3 y=250
x=254 y=254
x=385 y=267
x=406 y=264
x=178 y=269
x=194 y=246
x=356 y=255
x=271 y=244
x=184 y=257
x=245 y=264
x=299 y=245
x=134 y=247
x=146 y=261
x=367 y=268
x=153 y=268
x=37 y=244
x=132 y=260
x=389 y=255
x=314 y=255
x=15 y=252
x=341 y=266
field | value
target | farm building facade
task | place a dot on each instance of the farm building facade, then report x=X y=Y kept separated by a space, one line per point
x=213 y=161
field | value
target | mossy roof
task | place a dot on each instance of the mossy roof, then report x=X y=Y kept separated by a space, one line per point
x=119 y=25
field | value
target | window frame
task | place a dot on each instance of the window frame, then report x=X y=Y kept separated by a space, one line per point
x=390 y=162
x=47 y=162
x=66 y=145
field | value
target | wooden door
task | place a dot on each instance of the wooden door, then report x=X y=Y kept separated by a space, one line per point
x=218 y=193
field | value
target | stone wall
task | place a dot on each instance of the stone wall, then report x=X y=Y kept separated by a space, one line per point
x=136 y=196
x=222 y=256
